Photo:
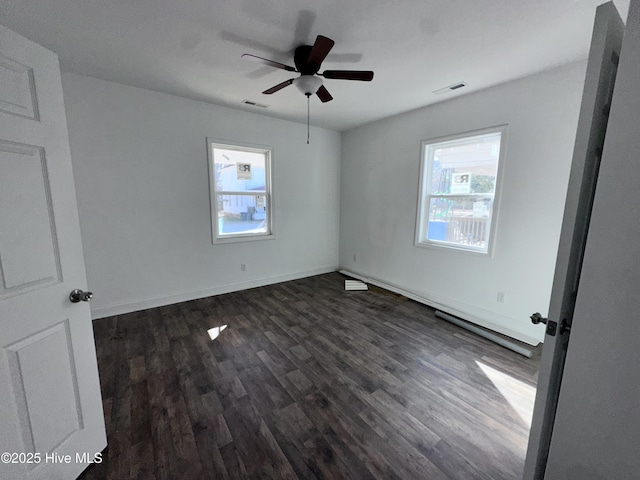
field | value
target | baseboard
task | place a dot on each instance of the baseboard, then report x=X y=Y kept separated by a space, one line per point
x=452 y=307
x=137 y=305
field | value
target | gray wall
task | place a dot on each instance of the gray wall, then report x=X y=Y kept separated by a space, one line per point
x=379 y=189
x=140 y=166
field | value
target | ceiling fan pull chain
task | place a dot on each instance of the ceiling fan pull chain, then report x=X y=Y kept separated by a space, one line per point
x=308 y=102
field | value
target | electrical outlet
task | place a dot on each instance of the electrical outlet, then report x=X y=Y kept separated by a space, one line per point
x=500 y=297
x=354 y=258
x=243 y=267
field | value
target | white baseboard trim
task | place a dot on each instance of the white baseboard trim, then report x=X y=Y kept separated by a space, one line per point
x=451 y=307
x=137 y=305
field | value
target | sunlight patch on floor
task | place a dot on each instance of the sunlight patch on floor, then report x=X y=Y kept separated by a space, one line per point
x=520 y=395
x=215 y=331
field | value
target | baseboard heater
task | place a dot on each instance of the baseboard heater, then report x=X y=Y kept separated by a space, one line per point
x=483 y=333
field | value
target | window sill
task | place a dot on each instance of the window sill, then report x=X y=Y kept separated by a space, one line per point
x=453 y=247
x=242 y=238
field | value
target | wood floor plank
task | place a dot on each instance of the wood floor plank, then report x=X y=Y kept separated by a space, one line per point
x=210 y=457
x=304 y=380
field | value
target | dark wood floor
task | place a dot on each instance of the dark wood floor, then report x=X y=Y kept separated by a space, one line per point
x=306 y=381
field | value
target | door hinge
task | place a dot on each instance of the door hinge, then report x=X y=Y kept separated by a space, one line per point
x=565 y=326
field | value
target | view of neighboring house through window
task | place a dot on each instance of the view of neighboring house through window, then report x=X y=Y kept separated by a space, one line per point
x=241 y=191
x=459 y=178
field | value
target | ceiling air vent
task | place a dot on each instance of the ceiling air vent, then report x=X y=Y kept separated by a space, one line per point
x=450 y=88
x=254 y=104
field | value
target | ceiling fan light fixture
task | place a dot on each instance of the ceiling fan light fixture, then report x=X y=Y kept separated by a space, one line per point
x=308 y=84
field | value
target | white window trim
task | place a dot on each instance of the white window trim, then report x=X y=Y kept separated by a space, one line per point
x=424 y=180
x=213 y=193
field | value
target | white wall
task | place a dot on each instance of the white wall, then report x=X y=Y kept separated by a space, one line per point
x=379 y=189
x=140 y=166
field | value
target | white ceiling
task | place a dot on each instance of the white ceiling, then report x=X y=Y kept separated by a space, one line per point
x=192 y=48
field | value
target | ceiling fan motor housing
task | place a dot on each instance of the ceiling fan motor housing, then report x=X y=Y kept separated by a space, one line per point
x=301 y=61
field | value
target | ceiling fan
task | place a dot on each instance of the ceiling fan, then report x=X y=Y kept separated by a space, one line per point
x=308 y=60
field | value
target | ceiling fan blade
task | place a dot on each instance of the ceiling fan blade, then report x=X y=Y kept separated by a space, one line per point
x=280 y=86
x=362 y=75
x=271 y=63
x=324 y=95
x=320 y=50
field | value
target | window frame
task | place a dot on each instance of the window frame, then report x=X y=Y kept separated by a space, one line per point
x=216 y=237
x=425 y=195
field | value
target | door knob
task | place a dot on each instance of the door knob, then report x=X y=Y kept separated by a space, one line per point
x=552 y=326
x=536 y=318
x=78 y=295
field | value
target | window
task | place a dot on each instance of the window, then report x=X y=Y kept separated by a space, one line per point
x=241 y=199
x=459 y=177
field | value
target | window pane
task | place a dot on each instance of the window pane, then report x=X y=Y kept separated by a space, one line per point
x=239 y=171
x=463 y=166
x=242 y=214
x=458 y=184
x=460 y=220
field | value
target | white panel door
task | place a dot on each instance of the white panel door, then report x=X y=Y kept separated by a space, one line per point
x=51 y=416
x=592 y=126
x=597 y=428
